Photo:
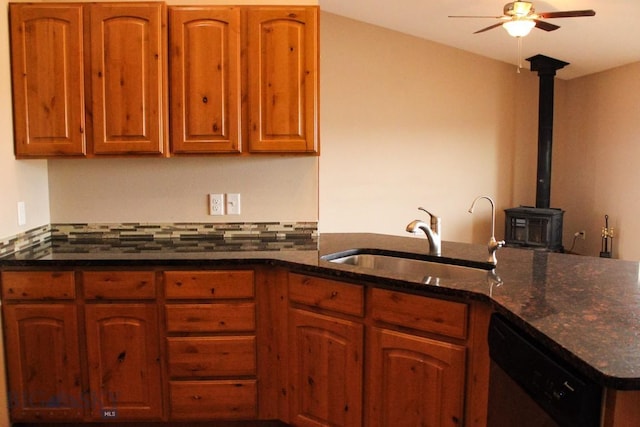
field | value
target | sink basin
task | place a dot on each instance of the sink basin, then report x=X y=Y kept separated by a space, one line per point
x=406 y=264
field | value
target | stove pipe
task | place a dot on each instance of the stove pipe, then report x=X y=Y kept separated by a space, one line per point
x=546 y=68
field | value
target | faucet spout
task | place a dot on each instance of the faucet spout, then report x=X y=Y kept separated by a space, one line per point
x=493 y=244
x=431 y=230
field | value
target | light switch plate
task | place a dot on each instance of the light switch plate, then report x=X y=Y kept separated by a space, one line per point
x=22 y=214
x=233 y=203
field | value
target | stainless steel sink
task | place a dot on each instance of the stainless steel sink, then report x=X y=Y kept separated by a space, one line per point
x=428 y=270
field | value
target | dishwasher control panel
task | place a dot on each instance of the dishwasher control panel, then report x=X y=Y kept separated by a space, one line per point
x=567 y=396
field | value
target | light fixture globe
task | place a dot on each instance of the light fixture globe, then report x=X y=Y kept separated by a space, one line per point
x=519 y=27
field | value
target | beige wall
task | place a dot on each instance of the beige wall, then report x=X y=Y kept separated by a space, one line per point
x=597 y=167
x=175 y=189
x=407 y=123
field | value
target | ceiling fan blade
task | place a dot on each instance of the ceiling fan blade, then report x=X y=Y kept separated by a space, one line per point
x=490 y=27
x=474 y=16
x=546 y=25
x=567 y=14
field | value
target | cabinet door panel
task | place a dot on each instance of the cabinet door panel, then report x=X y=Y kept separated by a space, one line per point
x=205 y=79
x=414 y=381
x=283 y=79
x=44 y=363
x=127 y=55
x=47 y=74
x=326 y=361
x=124 y=360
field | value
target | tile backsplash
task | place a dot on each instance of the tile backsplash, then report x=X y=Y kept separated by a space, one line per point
x=147 y=232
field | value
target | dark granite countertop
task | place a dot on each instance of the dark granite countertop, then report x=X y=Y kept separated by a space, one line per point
x=584 y=310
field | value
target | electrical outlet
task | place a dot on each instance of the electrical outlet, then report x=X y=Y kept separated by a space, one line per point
x=581 y=234
x=216 y=204
x=233 y=203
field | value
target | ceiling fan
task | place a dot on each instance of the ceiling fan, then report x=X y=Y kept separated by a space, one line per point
x=520 y=17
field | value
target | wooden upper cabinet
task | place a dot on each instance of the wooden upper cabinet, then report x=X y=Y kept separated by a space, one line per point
x=47 y=76
x=128 y=45
x=205 y=75
x=283 y=79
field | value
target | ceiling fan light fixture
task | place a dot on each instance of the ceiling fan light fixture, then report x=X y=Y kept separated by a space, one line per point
x=519 y=27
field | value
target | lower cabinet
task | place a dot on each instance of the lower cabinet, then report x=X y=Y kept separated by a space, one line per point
x=211 y=344
x=52 y=334
x=412 y=371
x=43 y=367
x=326 y=364
x=124 y=361
x=414 y=381
x=177 y=345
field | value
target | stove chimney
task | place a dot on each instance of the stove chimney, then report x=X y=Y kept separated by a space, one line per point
x=539 y=227
x=546 y=68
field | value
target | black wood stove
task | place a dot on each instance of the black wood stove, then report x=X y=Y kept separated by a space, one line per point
x=539 y=227
x=532 y=227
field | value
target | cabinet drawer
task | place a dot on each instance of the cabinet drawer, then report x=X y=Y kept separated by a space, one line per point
x=119 y=284
x=33 y=285
x=327 y=294
x=417 y=312
x=212 y=356
x=209 y=284
x=227 y=317
x=213 y=399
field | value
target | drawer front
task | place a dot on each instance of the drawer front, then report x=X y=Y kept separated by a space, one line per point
x=119 y=284
x=213 y=399
x=223 y=317
x=328 y=294
x=223 y=284
x=417 y=312
x=212 y=356
x=34 y=285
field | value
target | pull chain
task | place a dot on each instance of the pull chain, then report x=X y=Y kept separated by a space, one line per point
x=519 y=54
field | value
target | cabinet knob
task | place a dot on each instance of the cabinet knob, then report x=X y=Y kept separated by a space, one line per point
x=205 y=99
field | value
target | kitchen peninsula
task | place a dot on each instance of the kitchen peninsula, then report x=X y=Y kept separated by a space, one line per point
x=583 y=310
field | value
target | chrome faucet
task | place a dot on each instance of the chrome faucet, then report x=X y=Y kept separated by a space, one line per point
x=432 y=231
x=493 y=245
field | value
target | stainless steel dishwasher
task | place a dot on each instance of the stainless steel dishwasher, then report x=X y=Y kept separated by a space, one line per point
x=530 y=388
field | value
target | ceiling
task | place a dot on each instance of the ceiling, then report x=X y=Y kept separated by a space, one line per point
x=589 y=44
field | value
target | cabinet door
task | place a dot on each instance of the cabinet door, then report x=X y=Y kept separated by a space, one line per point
x=283 y=79
x=127 y=46
x=47 y=75
x=43 y=362
x=326 y=370
x=124 y=361
x=414 y=381
x=204 y=49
